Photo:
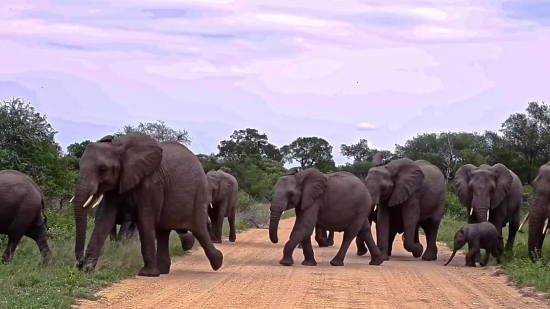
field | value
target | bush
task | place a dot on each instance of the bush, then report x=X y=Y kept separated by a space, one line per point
x=454 y=209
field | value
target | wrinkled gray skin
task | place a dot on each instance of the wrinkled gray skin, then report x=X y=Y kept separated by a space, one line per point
x=539 y=212
x=335 y=202
x=223 y=190
x=482 y=235
x=22 y=210
x=491 y=193
x=322 y=239
x=410 y=194
x=165 y=185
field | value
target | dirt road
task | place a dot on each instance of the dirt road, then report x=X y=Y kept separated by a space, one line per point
x=251 y=277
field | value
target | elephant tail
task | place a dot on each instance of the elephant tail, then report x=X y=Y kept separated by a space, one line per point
x=43 y=209
x=451 y=258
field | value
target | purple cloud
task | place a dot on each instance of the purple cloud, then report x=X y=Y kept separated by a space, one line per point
x=295 y=68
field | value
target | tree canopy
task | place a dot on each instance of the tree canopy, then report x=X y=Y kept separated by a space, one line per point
x=27 y=144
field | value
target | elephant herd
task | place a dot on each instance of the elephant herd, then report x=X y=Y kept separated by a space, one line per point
x=156 y=188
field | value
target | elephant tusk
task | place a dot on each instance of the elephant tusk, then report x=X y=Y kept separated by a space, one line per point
x=72 y=198
x=88 y=201
x=487 y=215
x=98 y=201
x=523 y=223
x=544 y=230
x=471 y=211
x=211 y=205
x=374 y=209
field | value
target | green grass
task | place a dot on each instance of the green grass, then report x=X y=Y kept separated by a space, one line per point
x=516 y=264
x=25 y=285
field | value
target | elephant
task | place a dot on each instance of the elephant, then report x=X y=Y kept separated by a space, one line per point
x=539 y=212
x=409 y=194
x=163 y=183
x=223 y=189
x=322 y=239
x=491 y=193
x=482 y=235
x=335 y=202
x=22 y=213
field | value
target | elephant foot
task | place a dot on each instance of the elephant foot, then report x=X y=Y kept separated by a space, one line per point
x=216 y=259
x=286 y=261
x=417 y=250
x=309 y=263
x=217 y=241
x=385 y=257
x=429 y=256
x=362 y=251
x=330 y=243
x=335 y=262
x=323 y=245
x=187 y=241
x=149 y=272
x=232 y=238
x=378 y=260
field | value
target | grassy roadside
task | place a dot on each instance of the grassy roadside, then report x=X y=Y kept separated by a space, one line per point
x=516 y=264
x=25 y=285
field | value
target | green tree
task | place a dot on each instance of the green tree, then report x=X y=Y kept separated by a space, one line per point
x=77 y=149
x=310 y=152
x=159 y=131
x=248 y=143
x=357 y=152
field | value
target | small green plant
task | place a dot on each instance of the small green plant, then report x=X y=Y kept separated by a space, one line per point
x=72 y=277
x=454 y=208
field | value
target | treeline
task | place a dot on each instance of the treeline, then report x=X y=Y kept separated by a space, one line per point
x=27 y=144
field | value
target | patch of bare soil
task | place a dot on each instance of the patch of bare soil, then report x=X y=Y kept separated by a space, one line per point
x=252 y=277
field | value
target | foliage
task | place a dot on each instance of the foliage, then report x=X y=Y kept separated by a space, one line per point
x=159 y=131
x=310 y=152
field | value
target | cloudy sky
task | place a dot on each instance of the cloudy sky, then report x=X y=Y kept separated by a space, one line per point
x=287 y=68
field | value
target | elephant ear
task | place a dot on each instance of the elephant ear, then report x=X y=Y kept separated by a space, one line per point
x=504 y=181
x=140 y=157
x=313 y=183
x=462 y=178
x=292 y=171
x=106 y=139
x=408 y=178
x=377 y=159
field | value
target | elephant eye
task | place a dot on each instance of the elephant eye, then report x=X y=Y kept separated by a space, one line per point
x=102 y=169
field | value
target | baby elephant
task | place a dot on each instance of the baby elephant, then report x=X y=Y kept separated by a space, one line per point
x=482 y=235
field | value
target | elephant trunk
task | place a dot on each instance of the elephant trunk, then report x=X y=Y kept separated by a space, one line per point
x=274 y=225
x=537 y=217
x=480 y=205
x=452 y=256
x=82 y=193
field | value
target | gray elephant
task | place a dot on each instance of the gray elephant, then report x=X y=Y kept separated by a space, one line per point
x=223 y=189
x=165 y=185
x=409 y=194
x=482 y=235
x=22 y=213
x=491 y=193
x=334 y=202
x=539 y=212
x=322 y=239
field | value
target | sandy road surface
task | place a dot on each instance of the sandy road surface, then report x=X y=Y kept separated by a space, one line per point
x=251 y=277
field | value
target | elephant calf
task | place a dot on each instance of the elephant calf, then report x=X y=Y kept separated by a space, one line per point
x=482 y=235
x=223 y=189
x=22 y=213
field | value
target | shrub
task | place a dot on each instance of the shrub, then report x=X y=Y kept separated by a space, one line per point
x=454 y=209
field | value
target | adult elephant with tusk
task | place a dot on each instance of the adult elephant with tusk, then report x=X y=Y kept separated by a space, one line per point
x=539 y=212
x=335 y=202
x=491 y=193
x=164 y=184
x=409 y=194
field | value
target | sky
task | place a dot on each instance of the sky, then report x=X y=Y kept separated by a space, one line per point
x=341 y=70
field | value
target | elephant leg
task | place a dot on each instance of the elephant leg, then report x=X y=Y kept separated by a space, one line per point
x=321 y=237
x=410 y=224
x=307 y=249
x=200 y=232
x=104 y=222
x=38 y=234
x=512 y=232
x=232 y=228
x=485 y=258
x=218 y=227
x=303 y=227
x=124 y=230
x=350 y=233
x=113 y=234
x=330 y=239
x=391 y=240
x=14 y=237
x=187 y=239
x=430 y=229
x=360 y=243
x=132 y=230
x=382 y=230
x=163 y=251
x=366 y=234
